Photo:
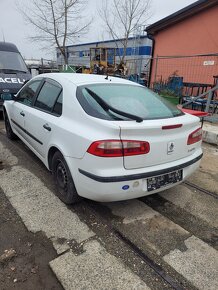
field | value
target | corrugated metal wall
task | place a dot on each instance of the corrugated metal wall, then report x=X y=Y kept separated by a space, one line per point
x=138 y=54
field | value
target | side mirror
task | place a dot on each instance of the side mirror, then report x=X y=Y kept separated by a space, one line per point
x=7 y=97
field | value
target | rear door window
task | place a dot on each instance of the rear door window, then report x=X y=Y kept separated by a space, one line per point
x=49 y=98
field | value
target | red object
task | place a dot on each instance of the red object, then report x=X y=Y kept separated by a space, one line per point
x=194 y=112
x=171 y=127
x=195 y=136
x=118 y=148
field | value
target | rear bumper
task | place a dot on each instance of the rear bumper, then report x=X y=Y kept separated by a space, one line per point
x=141 y=175
x=123 y=187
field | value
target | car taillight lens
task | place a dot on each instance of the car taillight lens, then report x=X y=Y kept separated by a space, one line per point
x=118 y=148
x=195 y=136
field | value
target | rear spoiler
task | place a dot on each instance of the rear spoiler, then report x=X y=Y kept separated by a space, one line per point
x=199 y=114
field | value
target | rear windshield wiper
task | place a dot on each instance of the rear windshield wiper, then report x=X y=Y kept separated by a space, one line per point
x=108 y=107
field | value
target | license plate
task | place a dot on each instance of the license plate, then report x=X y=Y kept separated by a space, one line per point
x=164 y=180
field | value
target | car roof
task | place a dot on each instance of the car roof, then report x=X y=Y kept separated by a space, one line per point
x=79 y=79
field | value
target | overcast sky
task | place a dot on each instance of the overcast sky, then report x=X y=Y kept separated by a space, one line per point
x=14 y=28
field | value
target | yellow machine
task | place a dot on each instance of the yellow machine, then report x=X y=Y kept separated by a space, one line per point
x=102 y=60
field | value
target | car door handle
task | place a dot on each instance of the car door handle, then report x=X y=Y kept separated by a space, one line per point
x=22 y=113
x=46 y=126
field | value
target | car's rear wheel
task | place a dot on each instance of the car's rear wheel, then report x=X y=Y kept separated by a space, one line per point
x=66 y=190
x=9 y=132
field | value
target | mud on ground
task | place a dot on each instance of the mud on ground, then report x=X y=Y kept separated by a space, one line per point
x=29 y=268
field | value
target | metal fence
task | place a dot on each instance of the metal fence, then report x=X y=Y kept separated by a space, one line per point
x=191 y=69
x=139 y=66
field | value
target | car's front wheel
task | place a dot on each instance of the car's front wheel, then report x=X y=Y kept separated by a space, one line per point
x=9 y=132
x=66 y=190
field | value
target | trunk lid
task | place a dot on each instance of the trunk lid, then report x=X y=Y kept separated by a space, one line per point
x=165 y=145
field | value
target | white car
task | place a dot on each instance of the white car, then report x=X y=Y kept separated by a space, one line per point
x=104 y=138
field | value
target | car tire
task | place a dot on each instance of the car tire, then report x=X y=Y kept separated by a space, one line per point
x=9 y=132
x=66 y=190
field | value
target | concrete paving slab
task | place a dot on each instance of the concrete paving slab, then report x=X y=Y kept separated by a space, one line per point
x=60 y=245
x=147 y=228
x=49 y=215
x=132 y=211
x=95 y=269
x=18 y=181
x=199 y=204
x=198 y=264
x=207 y=174
x=41 y=210
x=210 y=133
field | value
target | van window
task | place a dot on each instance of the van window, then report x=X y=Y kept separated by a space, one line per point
x=12 y=61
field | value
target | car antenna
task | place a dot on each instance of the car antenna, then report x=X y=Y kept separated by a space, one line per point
x=106 y=77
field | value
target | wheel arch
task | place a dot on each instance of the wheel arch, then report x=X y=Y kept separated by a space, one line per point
x=53 y=148
x=6 y=111
x=51 y=152
x=71 y=193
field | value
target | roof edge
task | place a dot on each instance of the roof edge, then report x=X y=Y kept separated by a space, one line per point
x=180 y=15
x=103 y=41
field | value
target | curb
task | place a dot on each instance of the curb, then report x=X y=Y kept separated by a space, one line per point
x=210 y=134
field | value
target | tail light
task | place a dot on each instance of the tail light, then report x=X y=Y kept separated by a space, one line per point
x=195 y=136
x=118 y=148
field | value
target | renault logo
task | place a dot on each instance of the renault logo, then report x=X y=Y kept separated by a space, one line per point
x=170 y=147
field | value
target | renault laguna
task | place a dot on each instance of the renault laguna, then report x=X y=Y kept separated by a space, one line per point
x=104 y=138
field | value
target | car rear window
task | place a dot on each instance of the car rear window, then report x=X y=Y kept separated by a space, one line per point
x=132 y=99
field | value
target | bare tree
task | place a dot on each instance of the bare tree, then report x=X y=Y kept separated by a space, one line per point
x=122 y=17
x=55 y=21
